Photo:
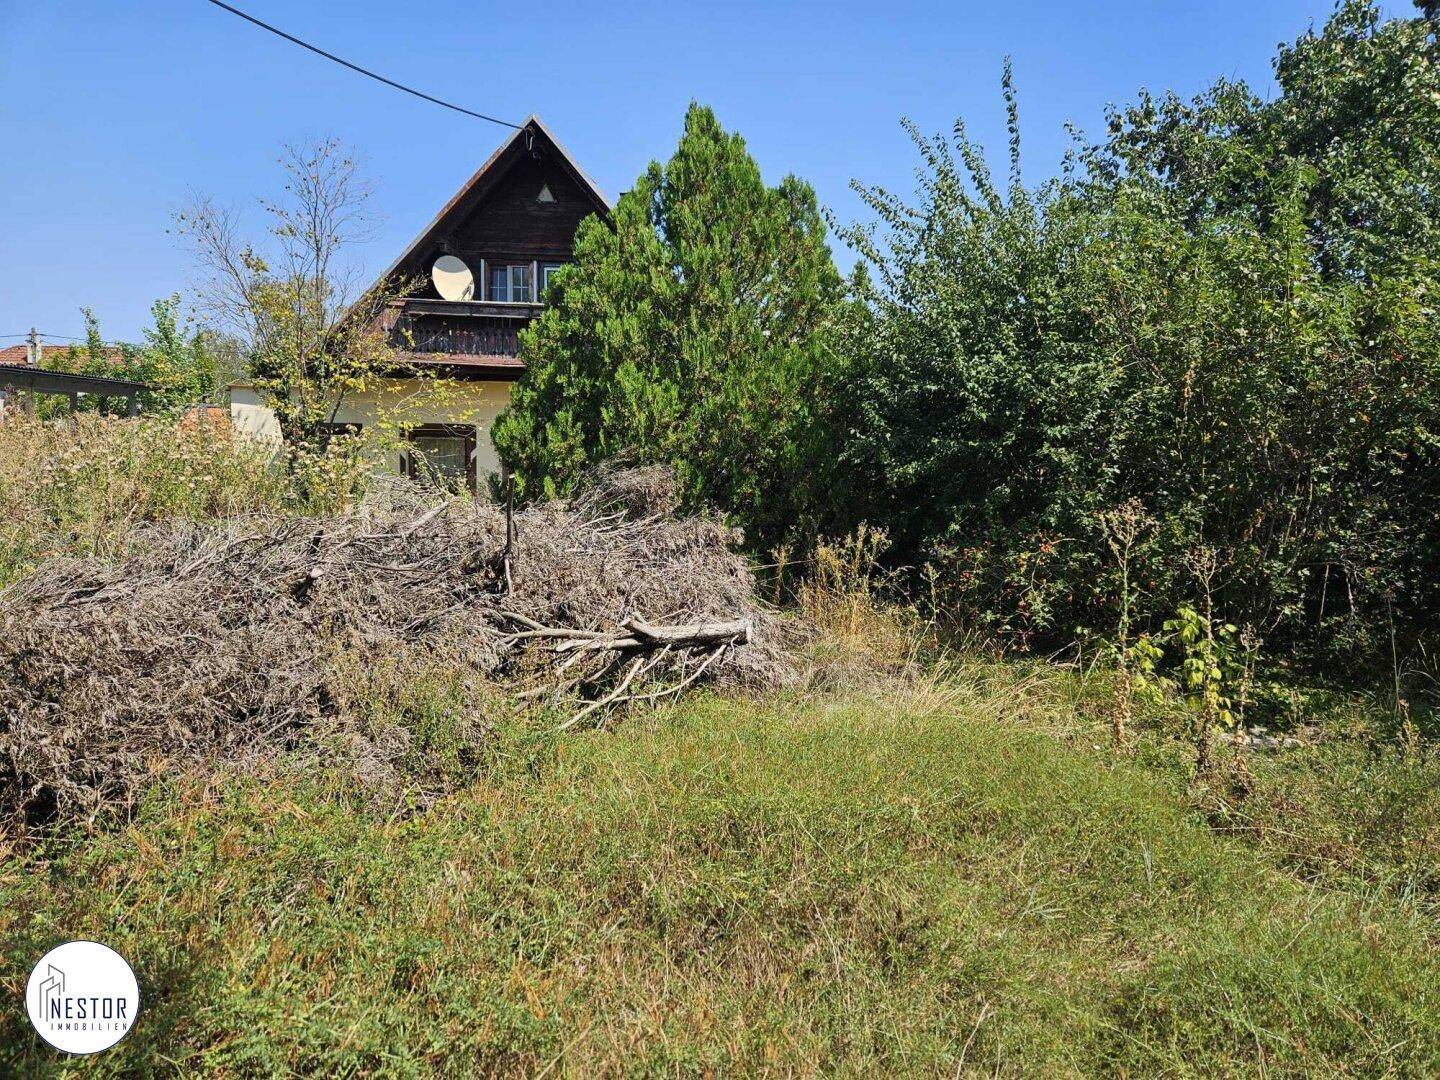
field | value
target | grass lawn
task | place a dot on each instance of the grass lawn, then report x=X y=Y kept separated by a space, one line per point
x=936 y=882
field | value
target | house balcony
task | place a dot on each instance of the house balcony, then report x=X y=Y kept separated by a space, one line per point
x=474 y=339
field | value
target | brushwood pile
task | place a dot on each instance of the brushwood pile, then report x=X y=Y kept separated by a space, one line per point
x=238 y=641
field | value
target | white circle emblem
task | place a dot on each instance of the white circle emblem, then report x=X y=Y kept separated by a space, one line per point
x=82 y=997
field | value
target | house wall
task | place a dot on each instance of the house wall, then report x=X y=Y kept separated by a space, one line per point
x=476 y=402
x=250 y=417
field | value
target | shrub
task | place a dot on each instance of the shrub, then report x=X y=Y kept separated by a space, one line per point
x=1222 y=315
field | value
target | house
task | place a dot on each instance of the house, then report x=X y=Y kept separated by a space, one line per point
x=484 y=264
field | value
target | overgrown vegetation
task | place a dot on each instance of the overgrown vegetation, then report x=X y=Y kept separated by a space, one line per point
x=181 y=361
x=938 y=878
x=914 y=860
x=1221 y=315
x=85 y=488
x=1171 y=410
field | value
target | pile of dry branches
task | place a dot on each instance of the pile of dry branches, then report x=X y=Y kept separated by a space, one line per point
x=220 y=642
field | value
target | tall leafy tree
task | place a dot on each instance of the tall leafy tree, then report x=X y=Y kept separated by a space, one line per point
x=697 y=328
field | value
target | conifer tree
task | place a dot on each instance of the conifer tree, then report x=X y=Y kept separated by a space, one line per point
x=696 y=328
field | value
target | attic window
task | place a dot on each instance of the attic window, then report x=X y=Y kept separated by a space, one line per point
x=510 y=284
x=545 y=195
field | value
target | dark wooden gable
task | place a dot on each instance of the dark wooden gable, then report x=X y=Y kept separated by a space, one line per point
x=498 y=214
x=497 y=219
x=512 y=219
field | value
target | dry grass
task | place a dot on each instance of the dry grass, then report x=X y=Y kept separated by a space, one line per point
x=83 y=487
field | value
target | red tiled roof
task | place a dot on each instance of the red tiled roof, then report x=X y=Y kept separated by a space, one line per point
x=214 y=418
x=17 y=354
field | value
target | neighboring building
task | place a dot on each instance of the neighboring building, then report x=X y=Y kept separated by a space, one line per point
x=23 y=376
x=20 y=354
x=498 y=241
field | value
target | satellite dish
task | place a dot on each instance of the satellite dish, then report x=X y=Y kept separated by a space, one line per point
x=452 y=278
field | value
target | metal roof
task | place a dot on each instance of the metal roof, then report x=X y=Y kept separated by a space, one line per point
x=25 y=377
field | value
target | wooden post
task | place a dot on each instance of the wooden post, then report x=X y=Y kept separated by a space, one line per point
x=509 y=534
x=134 y=401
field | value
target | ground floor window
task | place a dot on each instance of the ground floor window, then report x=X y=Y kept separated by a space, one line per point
x=441 y=454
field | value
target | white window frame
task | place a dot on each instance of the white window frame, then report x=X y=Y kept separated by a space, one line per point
x=490 y=283
x=521 y=283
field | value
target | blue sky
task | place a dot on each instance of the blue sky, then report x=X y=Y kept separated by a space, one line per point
x=110 y=112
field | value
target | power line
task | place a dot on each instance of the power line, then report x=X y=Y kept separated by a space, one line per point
x=356 y=67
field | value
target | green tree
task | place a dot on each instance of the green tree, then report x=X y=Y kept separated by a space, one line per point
x=1222 y=313
x=697 y=327
x=180 y=360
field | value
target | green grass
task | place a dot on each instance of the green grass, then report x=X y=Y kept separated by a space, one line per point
x=893 y=883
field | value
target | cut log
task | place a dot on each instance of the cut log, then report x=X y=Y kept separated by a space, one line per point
x=736 y=630
x=636 y=633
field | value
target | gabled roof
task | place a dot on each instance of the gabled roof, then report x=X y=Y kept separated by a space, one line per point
x=489 y=174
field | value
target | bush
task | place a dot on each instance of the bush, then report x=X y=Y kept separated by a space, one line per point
x=1222 y=314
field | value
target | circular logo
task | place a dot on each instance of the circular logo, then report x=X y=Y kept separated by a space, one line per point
x=82 y=997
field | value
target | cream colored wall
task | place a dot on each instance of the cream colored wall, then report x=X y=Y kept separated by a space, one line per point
x=249 y=415
x=413 y=402
x=405 y=401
